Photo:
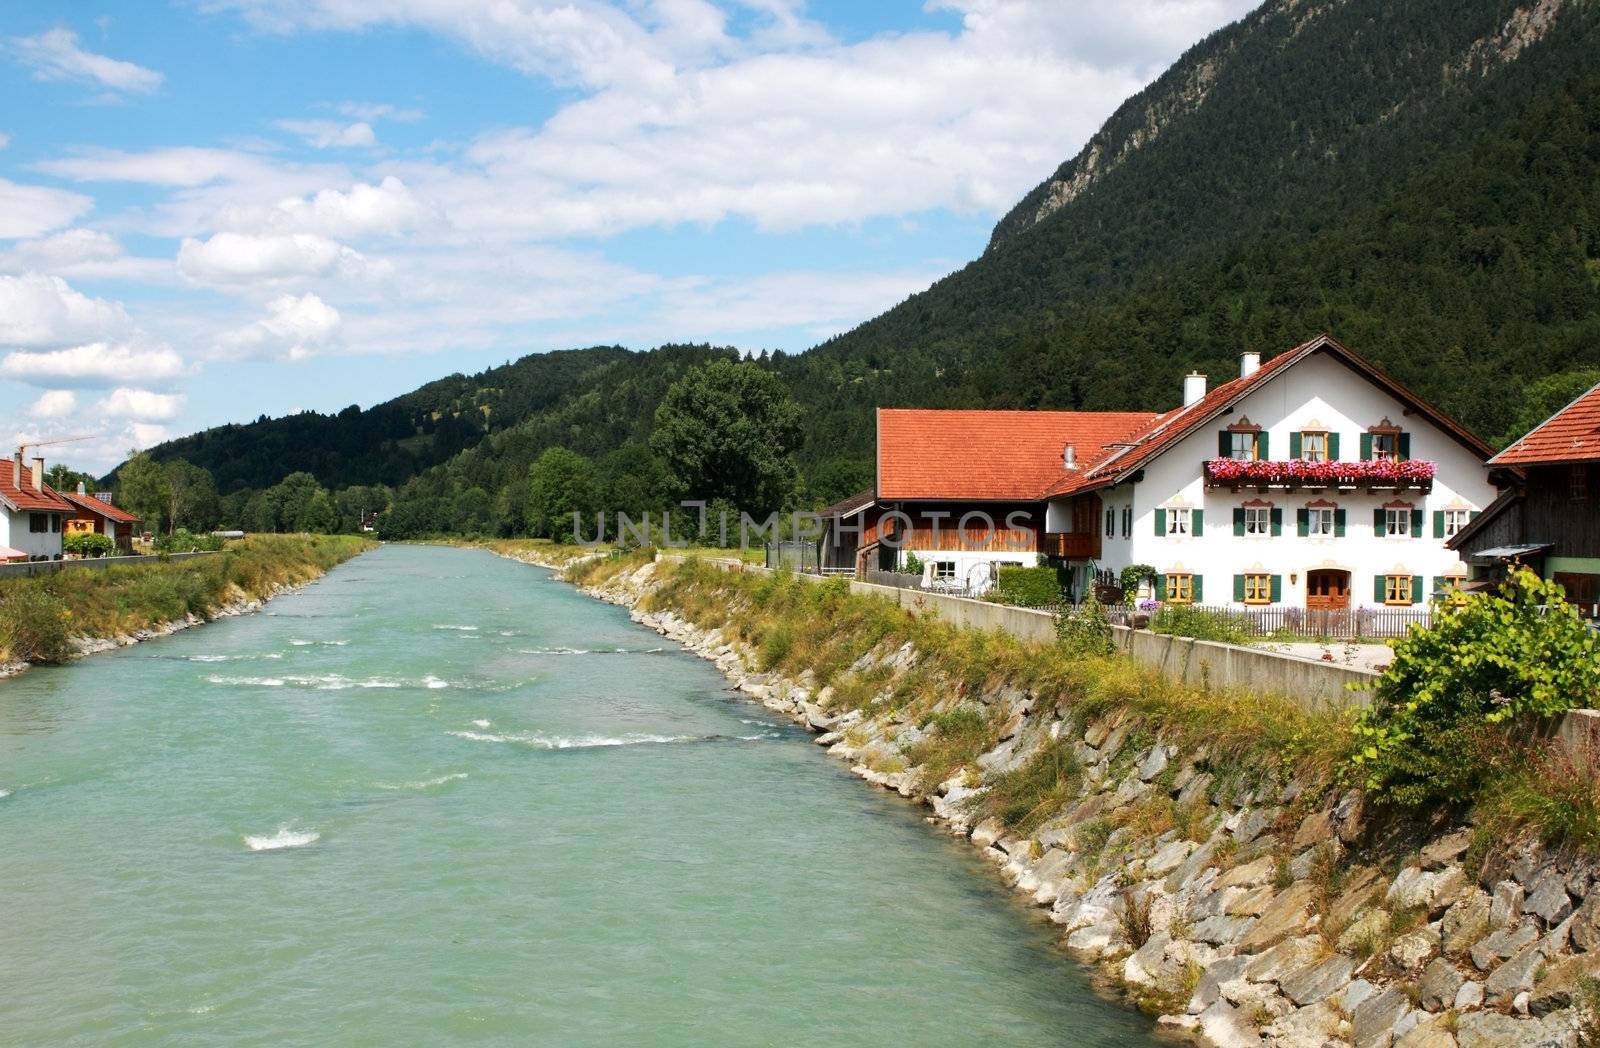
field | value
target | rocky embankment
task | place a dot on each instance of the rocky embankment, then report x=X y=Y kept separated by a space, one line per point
x=1243 y=912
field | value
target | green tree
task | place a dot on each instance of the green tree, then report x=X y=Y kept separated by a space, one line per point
x=729 y=431
x=142 y=488
x=560 y=483
x=191 y=496
x=64 y=478
x=1545 y=397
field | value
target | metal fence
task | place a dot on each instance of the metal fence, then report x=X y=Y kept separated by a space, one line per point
x=948 y=587
x=1354 y=624
x=793 y=556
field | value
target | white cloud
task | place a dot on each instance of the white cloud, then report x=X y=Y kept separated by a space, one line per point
x=5 y=140
x=330 y=134
x=386 y=209
x=372 y=112
x=54 y=403
x=175 y=166
x=95 y=364
x=55 y=55
x=294 y=329
x=45 y=312
x=27 y=211
x=241 y=258
x=143 y=404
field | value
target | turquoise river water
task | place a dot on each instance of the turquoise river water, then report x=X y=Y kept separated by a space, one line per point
x=438 y=798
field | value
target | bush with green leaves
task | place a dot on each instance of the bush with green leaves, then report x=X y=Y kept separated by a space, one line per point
x=35 y=625
x=1029 y=587
x=182 y=541
x=88 y=544
x=1132 y=576
x=1436 y=731
x=913 y=565
x=1183 y=620
x=1085 y=630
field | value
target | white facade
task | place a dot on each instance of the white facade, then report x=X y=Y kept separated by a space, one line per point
x=16 y=531
x=1317 y=394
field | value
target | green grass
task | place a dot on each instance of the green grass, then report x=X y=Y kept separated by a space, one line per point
x=38 y=614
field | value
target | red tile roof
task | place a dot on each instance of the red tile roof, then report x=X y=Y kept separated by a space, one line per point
x=988 y=456
x=23 y=496
x=1570 y=435
x=1167 y=429
x=100 y=506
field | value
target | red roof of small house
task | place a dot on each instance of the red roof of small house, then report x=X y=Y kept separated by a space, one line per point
x=1570 y=435
x=1167 y=429
x=22 y=496
x=989 y=456
x=94 y=504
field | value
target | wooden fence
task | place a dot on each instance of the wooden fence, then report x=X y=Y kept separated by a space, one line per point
x=1352 y=624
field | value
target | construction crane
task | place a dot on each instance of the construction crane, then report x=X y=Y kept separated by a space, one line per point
x=22 y=449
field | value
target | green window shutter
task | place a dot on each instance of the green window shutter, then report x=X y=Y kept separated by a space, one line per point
x=1378 y=522
x=1294 y=445
x=1199 y=588
x=1333 y=447
x=1403 y=447
x=1416 y=589
x=1338 y=523
x=1302 y=522
x=1438 y=585
x=1238 y=588
x=1377 y=589
x=1261 y=446
x=1416 y=523
x=1475 y=514
x=1197 y=520
x=1277 y=522
x=1161 y=587
x=1224 y=444
x=1366 y=447
x=1277 y=588
x=1238 y=522
x=1438 y=523
x=1161 y=522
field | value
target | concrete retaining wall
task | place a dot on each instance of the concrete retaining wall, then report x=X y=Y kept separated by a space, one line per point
x=44 y=567
x=1201 y=663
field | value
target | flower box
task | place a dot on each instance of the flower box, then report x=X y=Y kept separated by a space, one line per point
x=1410 y=475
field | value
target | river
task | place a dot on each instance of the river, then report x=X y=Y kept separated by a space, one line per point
x=438 y=798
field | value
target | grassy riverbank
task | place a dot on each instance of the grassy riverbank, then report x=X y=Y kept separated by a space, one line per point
x=42 y=616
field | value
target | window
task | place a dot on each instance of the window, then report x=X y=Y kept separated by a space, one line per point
x=1127 y=521
x=1578 y=482
x=1180 y=588
x=1454 y=521
x=1111 y=522
x=1242 y=446
x=38 y=523
x=1396 y=522
x=55 y=522
x=1178 y=521
x=1258 y=520
x=1386 y=447
x=1397 y=589
x=1258 y=589
x=944 y=569
x=1314 y=447
x=1319 y=522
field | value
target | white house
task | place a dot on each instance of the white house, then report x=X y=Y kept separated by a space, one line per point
x=32 y=515
x=1312 y=480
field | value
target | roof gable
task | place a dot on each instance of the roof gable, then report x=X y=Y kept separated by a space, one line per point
x=92 y=504
x=1570 y=435
x=18 y=493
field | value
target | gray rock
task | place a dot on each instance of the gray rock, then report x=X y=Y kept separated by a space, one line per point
x=1439 y=984
x=1312 y=1027
x=1223 y=1026
x=1584 y=933
x=1464 y=924
x=1144 y=964
x=1220 y=930
x=987 y=832
x=1372 y=1023
x=1209 y=989
x=1247 y=825
x=1493 y=1030
x=1430 y=1033
x=1282 y=960
x=1469 y=996
x=1503 y=943
x=1513 y=977
x=1248 y=875
x=1413 y=948
x=1354 y=994
x=1154 y=763
x=1319 y=981
x=1506 y=907
x=1314 y=829
x=1285 y=916
x=1549 y=898
x=1168 y=858
x=1433 y=891
x=1446 y=849
x=1195 y=788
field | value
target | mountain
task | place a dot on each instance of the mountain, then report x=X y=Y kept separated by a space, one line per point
x=1421 y=179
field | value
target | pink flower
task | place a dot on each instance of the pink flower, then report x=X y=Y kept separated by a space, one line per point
x=1295 y=471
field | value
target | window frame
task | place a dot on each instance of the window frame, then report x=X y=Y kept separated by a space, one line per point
x=1263 y=514
x=1254 y=449
x=1180 y=587
x=1392 y=437
x=1316 y=516
x=1389 y=517
x=1306 y=439
x=1257 y=587
x=1111 y=522
x=1461 y=517
x=1397 y=591
x=38 y=523
x=1578 y=482
x=941 y=569
x=1180 y=521
x=1127 y=521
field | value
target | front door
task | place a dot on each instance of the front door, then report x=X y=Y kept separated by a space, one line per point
x=1327 y=589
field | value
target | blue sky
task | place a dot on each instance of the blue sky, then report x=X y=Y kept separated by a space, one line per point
x=216 y=209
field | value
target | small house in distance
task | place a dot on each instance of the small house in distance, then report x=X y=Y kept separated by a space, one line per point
x=31 y=512
x=97 y=514
x=1548 y=514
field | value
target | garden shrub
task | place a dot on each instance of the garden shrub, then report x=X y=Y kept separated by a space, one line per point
x=35 y=625
x=1029 y=587
x=88 y=544
x=1435 y=732
x=1085 y=630
x=1183 y=620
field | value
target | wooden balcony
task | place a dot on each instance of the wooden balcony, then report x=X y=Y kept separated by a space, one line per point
x=1075 y=545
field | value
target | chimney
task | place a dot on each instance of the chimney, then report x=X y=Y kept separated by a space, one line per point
x=16 y=469
x=38 y=474
x=1249 y=363
x=1069 y=457
x=1194 y=387
x=83 y=489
